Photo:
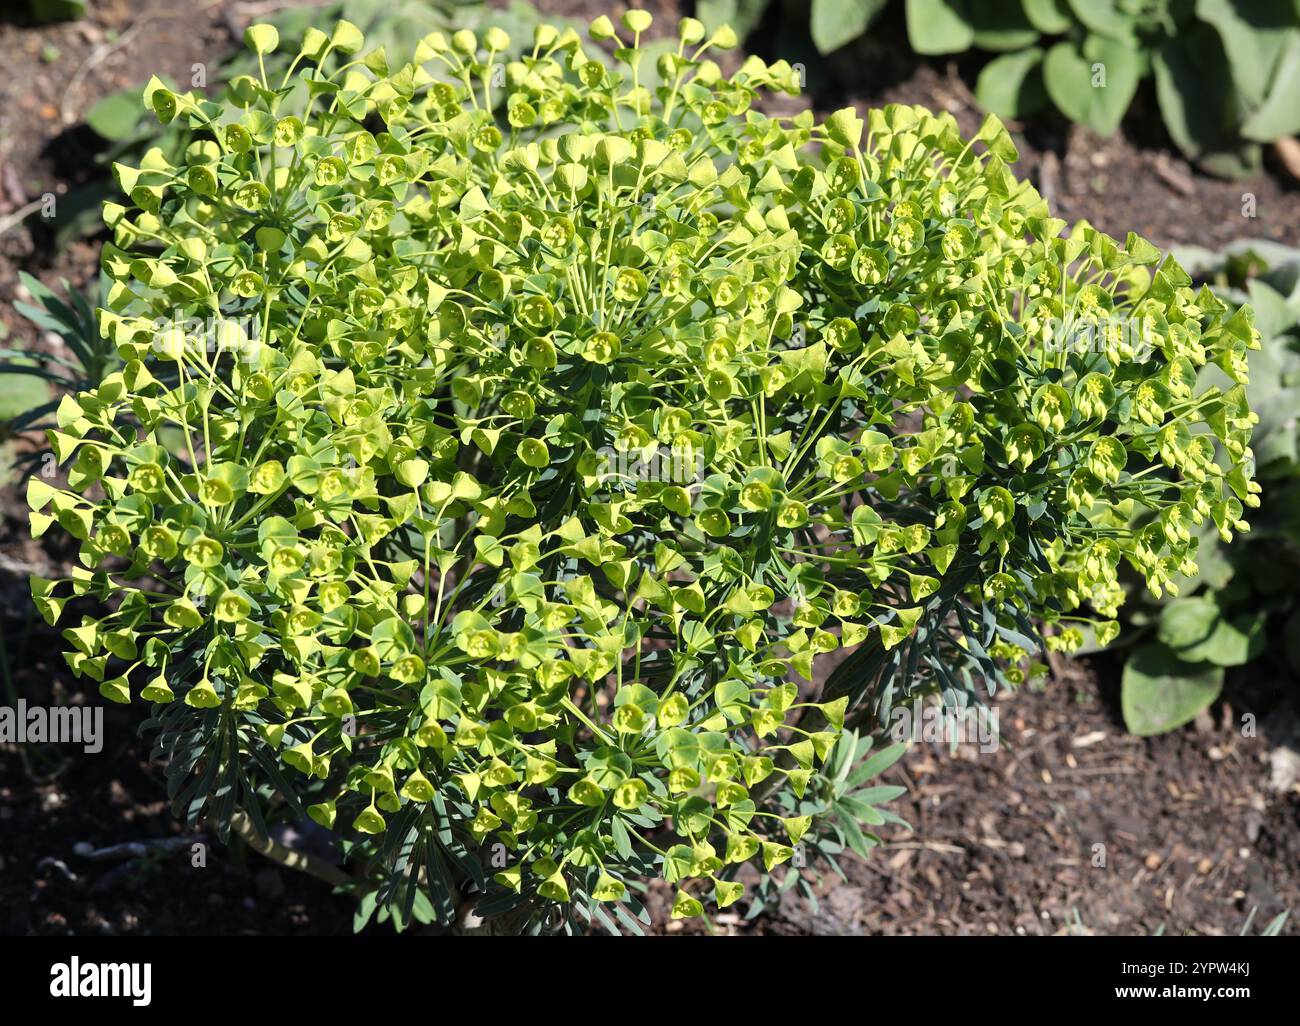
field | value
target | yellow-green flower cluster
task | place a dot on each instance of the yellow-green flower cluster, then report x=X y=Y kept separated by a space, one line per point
x=545 y=427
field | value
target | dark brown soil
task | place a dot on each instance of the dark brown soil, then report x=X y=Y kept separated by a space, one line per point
x=49 y=886
x=54 y=73
x=1192 y=834
x=1074 y=826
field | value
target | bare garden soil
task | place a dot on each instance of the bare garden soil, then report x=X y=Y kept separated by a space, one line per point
x=1070 y=826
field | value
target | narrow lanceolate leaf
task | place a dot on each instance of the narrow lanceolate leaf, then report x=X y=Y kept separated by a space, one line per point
x=877 y=763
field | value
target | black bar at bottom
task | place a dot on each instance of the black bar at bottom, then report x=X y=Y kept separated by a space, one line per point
x=272 y=975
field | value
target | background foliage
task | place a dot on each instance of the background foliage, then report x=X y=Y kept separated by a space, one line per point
x=1226 y=72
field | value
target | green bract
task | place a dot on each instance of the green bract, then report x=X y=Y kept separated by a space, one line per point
x=1243 y=604
x=495 y=456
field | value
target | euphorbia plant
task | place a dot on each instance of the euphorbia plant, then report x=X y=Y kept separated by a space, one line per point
x=544 y=428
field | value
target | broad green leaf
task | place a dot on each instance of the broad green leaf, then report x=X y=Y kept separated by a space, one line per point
x=1197 y=100
x=1279 y=113
x=1011 y=86
x=1186 y=622
x=742 y=15
x=1001 y=27
x=22 y=388
x=1110 y=18
x=117 y=116
x=1254 y=39
x=1160 y=692
x=836 y=22
x=1227 y=642
x=939 y=26
x=1093 y=85
x=1050 y=16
